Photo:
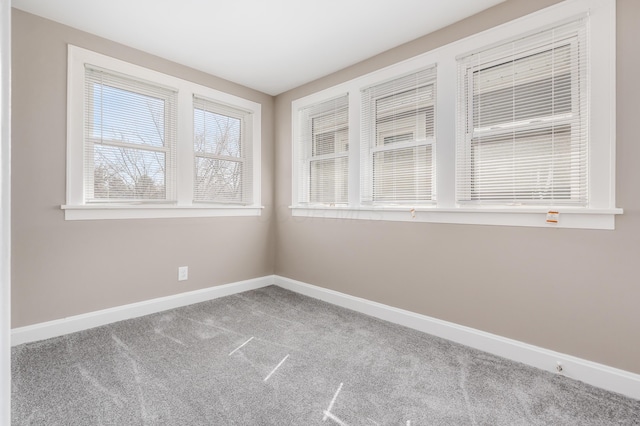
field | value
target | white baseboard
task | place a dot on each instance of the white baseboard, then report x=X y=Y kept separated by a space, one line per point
x=595 y=374
x=46 y=330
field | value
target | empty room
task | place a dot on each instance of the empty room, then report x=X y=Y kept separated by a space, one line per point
x=320 y=212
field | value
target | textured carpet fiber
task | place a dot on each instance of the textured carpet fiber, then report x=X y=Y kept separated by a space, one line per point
x=273 y=357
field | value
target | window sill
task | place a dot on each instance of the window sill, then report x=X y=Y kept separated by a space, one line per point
x=569 y=217
x=151 y=211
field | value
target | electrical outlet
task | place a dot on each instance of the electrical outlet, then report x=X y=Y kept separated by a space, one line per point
x=183 y=273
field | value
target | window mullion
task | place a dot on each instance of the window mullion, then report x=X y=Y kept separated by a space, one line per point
x=355 y=103
x=185 y=153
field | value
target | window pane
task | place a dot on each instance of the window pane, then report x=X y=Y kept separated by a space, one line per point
x=332 y=142
x=124 y=116
x=128 y=173
x=524 y=89
x=217 y=134
x=532 y=166
x=413 y=125
x=402 y=175
x=329 y=180
x=218 y=180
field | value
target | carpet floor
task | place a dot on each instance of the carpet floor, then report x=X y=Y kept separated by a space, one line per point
x=273 y=357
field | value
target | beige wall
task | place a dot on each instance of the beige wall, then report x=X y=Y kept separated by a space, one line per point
x=573 y=291
x=63 y=268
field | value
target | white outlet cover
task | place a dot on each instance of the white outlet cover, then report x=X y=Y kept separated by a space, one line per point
x=183 y=273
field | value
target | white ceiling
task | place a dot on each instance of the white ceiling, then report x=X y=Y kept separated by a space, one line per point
x=268 y=45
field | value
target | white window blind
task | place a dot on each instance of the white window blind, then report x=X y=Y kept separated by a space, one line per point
x=222 y=153
x=130 y=139
x=324 y=149
x=522 y=134
x=398 y=140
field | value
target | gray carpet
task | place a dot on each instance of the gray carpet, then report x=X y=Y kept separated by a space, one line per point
x=273 y=357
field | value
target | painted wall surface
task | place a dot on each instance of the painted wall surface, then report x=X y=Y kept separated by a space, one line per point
x=62 y=268
x=573 y=291
x=5 y=212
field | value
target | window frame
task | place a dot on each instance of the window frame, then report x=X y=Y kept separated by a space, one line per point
x=601 y=210
x=531 y=124
x=306 y=156
x=371 y=122
x=77 y=208
x=244 y=158
x=337 y=132
x=167 y=149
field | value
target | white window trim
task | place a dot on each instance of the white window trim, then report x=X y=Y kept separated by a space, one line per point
x=75 y=207
x=601 y=211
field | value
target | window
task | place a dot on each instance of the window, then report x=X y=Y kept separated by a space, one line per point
x=522 y=116
x=143 y=144
x=130 y=139
x=398 y=139
x=324 y=161
x=222 y=153
x=523 y=129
